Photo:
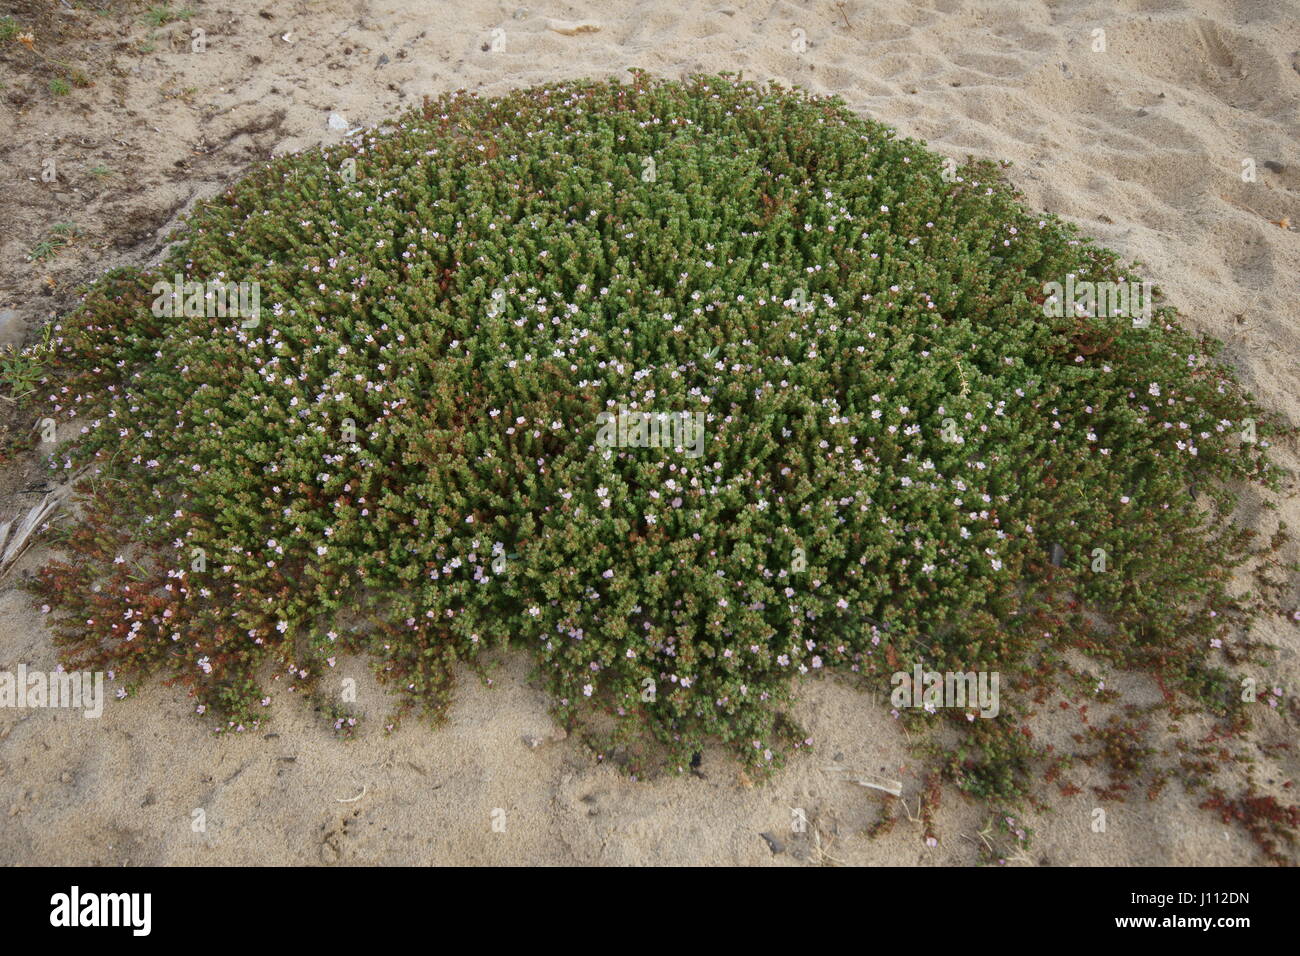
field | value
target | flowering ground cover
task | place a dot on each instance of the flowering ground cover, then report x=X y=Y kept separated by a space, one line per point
x=911 y=452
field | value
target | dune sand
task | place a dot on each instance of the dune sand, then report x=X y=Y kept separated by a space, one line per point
x=1142 y=144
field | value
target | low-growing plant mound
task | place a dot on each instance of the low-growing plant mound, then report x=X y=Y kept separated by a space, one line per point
x=430 y=443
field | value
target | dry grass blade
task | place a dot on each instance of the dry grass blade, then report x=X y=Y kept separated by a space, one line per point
x=14 y=539
x=864 y=779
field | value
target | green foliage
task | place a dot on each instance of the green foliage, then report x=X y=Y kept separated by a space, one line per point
x=61 y=234
x=805 y=279
x=162 y=13
x=21 y=370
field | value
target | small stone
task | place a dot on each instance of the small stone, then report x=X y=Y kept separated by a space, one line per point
x=1273 y=166
x=382 y=61
x=520 y=13
x=773 y=844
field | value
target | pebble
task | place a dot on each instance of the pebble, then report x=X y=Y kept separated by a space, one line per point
x=11 y=328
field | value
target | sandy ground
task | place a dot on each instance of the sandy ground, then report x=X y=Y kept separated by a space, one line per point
x=1142 y=144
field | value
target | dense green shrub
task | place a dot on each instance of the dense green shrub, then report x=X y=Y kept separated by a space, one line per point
x=488 y=276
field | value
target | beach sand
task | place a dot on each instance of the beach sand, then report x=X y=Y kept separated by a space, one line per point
x=1141 y=144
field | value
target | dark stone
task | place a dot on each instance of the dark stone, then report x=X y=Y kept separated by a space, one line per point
x=773 y=844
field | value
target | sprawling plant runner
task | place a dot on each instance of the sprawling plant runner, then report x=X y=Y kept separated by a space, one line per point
x=687 y=388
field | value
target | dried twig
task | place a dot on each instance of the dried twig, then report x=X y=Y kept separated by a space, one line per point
x=823 y=857
x=16 y=537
